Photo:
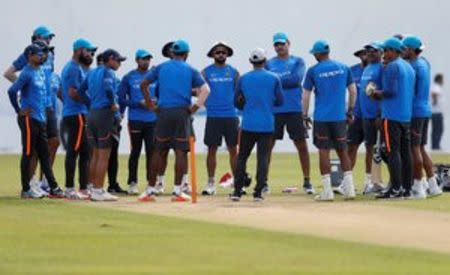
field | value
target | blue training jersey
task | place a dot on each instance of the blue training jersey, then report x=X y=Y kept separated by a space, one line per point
x=130 y=95
x=176 y=79
x=329 y=80
x=71 y=77
x=421 y=104
x=33 y=89
x=370 y=108
x=222 y=82
x=291 y=72
x=101 y=85
x=357 y=71
x=398 y=91
x=262 y=92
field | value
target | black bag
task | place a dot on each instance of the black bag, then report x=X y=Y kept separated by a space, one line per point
x=442 y=172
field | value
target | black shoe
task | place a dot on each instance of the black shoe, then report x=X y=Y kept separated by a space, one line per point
x=247 y=180
x=116 y=189
x=56 y=193
x=308 y=188
x=257 y=197
x=235 y=196
x=407 y=195
x=390 y=194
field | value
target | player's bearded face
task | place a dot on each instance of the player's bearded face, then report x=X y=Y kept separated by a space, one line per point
x=281 y=48
x=86 y=57
x=143 y=63
x=220 y=55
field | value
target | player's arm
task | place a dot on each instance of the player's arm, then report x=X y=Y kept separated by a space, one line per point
x=200 y=84
x=149 y=78
x=82 y=92
x=278 y=93
x=18 y=85
x=294 y=79
x=10 y=74
x=308 y=87
x=434 y=96
x=239 y=99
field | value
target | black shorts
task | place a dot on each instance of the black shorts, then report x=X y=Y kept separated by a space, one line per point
x=173 y=129
x=103 y=128
x=52 y=123
x=294 y=126
x=355 y=135
x=221 y=127
x=329 y=135
x=419 y=130
x=370 y=131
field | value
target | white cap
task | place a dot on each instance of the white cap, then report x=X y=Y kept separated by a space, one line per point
x=258 y=55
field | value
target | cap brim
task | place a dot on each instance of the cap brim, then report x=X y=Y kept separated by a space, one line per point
x=145 y=56
x=284 y=41
x=229 y=49
x=359 y=52
x=121 y=58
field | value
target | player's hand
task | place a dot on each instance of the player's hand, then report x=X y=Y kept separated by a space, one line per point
x=115 y=107
x=307 y=122
x=194 y=108
x=350 y=118
x=377 y=95
x=25 y=112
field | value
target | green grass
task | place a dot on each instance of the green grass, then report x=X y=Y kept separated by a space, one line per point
x=55 y=237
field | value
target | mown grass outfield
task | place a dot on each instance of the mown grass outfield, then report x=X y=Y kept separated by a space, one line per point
x=62 y=237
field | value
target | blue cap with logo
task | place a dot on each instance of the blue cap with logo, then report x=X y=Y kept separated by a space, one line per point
x=320 y=46
x=413 y=42
x=43 y=31
x=393 y=43
x=82 y=43
x=180 y=46
x=280 y=37
x=141 y=53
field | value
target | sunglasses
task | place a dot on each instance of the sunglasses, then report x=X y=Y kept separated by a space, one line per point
x=220 y=52
x=279 y=44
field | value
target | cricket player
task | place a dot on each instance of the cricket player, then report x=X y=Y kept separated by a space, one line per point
x=290 y=69
x=420 y=117
x=32 y=121
x=355 y=135
x=222 y=121
x=42 y=35
x=397 y=97
x=329 y=80
x=103 y=119
x=370 y=110
x=176 y=80
x=75 y=109
x=257 y=93
x=141 y=120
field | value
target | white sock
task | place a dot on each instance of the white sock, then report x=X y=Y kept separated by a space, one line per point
x=184 y=179
x=97 y=190
x=160 y=178
x=348 y=178
x=326 y=182
x=150 y=190
x=417 y=183
x=211 y=180
x=177 y=189
x=432 y=183
x=368 y=179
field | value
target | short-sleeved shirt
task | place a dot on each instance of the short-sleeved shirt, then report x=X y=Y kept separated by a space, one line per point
x=222 y=82
x=71 y=77
x=329 y=80
x=176 y=79
x=421 y=104
x=370 y=108
x=357 y=71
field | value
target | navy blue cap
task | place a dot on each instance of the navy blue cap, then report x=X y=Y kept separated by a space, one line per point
x=167 y=49
x=114 y=54
x=32 y=49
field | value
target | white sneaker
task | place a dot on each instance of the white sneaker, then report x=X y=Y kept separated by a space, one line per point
x=133 y=189
x=186 y=188
x=368 y=188
x=209 y=190
x=418 y=192
x=338 y=189
x=434 y=189
x=349 y=191
x=71 y=194
x=325 y=195
x=159 y=188
x=102 y=195
x=35 y=186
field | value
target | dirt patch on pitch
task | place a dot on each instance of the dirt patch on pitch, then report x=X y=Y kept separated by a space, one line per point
x=351 y=221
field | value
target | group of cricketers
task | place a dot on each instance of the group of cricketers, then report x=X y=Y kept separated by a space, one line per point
x=383 y=98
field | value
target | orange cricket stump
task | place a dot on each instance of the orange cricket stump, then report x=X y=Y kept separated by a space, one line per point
x=193 y=169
